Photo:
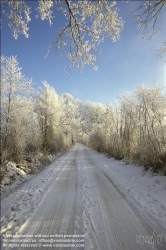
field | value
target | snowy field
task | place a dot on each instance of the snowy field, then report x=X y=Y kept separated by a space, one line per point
x=104 y=199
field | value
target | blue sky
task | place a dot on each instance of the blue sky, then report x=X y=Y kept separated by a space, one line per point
x=122 y=65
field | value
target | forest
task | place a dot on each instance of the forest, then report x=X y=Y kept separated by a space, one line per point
x=32 y=121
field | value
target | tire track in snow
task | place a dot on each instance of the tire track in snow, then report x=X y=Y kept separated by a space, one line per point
x=121 y=222
x=95 y=238
x=84 y=200
x=25 y=200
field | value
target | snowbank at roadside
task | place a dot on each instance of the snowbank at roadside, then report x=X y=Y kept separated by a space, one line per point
x=14 y=175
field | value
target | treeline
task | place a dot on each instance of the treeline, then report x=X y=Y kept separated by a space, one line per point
x=32 y=121
x=134 y=128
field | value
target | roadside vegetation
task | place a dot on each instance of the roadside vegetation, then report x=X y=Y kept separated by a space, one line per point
x=41 y=123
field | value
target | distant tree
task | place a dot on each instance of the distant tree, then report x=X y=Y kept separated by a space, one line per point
x=70 y=119
x=88 y=23
x=93 y=124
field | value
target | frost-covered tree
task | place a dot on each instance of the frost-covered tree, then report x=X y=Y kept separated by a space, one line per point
x=15 y=89
x=22 y=129
x=48 y=110
x=93 y=124
x=128 y=125
x=114 y=124
x=87 y=24
x=70 y=119
x=146 y=16
x=151 y=118
x=134 y=128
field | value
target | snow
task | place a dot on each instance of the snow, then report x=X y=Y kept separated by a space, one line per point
x=145 y=189
x=16 y=174
x=84 y=192
x=26 y=195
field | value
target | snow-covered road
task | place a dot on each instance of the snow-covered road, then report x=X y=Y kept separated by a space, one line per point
x=75 y=198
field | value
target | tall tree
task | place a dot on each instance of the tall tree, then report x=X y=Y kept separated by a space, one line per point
x=48 y=109
x=14 y=86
